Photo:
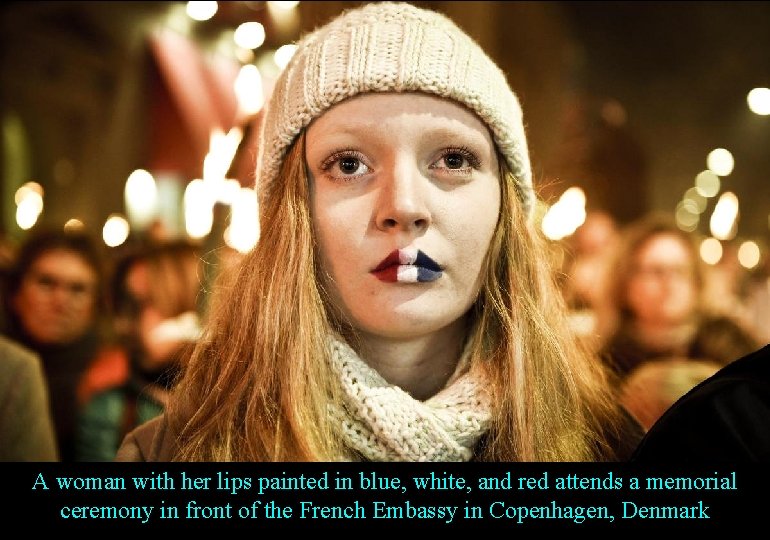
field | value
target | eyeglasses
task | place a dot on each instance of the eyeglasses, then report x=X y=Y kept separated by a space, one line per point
x=658 y=272
x=48 y=284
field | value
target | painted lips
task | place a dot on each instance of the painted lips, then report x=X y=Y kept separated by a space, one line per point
x=408 y=265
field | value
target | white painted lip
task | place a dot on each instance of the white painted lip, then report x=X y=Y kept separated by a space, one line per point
x=408 y=265
x=409 y=256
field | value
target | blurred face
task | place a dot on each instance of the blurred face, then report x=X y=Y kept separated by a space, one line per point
x=662 y=288
x=156 y=348
x=55 y=302
x=406 y=197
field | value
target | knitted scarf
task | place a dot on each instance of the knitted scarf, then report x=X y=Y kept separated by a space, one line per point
x=382 y=422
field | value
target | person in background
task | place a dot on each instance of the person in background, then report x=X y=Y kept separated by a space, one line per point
x=657 y=292
x=26 y=428
x=667 y=339
x=56 y=308
x=585 y=277
x=400 y=304
x=155 y=292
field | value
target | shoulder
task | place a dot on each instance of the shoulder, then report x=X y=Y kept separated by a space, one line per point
x=151 y=441
x=724 y=418
x=753 y=367
x=20 y=369
x=16 y=357
x=26 y=430
x=723 y=339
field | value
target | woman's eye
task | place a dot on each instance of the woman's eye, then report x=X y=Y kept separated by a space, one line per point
x=455 y=161
x=349 y=165
x=344 y=166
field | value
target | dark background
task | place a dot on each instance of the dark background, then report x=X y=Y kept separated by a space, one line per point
x=624 y=99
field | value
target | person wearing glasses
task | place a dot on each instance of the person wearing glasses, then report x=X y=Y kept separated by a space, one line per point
x=54 y=306
x=668 y=336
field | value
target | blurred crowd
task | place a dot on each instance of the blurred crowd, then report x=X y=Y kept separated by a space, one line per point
x=662 y=319
x=92 y=340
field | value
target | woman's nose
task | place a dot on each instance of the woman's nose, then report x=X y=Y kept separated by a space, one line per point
x=402 y=203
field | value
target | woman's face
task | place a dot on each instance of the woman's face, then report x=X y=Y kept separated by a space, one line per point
x=406 y=196
x=156 y=349
x=662 y=287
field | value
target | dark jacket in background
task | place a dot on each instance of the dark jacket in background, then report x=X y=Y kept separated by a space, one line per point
x=718 y=339
x=725 y=419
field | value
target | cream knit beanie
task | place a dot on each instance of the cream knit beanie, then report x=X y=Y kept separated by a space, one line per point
x=391 y=47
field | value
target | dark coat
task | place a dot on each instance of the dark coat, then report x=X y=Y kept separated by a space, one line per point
x=726 y=418
x=718 y=339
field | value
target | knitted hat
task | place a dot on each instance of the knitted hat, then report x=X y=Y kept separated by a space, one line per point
x=392 y=47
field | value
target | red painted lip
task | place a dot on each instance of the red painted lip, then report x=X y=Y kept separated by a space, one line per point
x=387 y=270
x=388 y=275
x=418 y=267
x=391 y=261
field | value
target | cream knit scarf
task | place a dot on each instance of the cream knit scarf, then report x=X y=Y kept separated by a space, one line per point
x=384 y=423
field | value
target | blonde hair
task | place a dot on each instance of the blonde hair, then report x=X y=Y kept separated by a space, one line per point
x=175 y=275
x=259 y=382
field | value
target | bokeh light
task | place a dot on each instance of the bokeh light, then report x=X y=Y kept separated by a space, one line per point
x=720 y=161
x=115 y=230
x=198 y=209
x=283 y=5
x=249 y=35
x=686 y=218
x=711 y=251
x=723 y=219
x=696 y=198
x=284 y=54
x=201 y=11
x=749 y=254
x=141 y=198
x=248 y=89
x=566 y=215
x=74 y=224
x=707 y=183
x=759 y=101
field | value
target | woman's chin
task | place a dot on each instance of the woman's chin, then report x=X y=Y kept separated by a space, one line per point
x=406 y=325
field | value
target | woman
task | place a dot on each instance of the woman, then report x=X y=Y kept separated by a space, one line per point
x=399 y=305
x=667 y=340
x=155 y=291
x=657 y=291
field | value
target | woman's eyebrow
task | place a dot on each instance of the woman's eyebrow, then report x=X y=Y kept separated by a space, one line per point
x=452 y=133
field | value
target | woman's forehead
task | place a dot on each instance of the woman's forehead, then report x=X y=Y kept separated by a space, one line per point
x=663 y=246
x=409 y=111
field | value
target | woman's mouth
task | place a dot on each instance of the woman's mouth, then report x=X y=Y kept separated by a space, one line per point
x=407 y=265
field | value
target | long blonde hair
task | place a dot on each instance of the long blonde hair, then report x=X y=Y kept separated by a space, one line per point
x=259 y=383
